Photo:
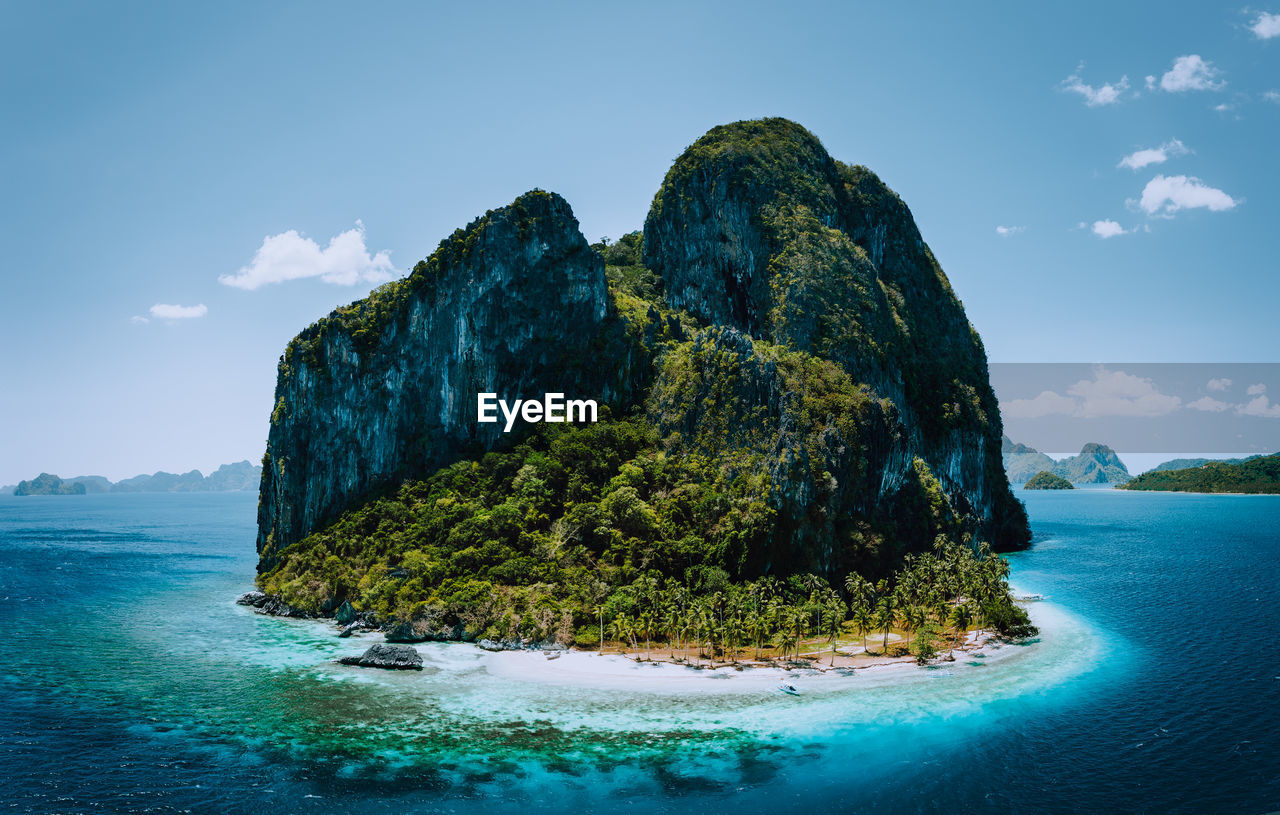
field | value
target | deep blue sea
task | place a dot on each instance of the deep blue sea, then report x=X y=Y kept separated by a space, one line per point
x=130 y=682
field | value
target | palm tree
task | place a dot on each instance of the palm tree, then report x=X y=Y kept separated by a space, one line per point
x=962 y=616
x=913 y=618
x=622 y=629
x=799 y=619
x=671 y=619
x=646 y=626
x=600 y=611
x=858 y=589
x=885 y=611
x=834 y=623
x=863 y=619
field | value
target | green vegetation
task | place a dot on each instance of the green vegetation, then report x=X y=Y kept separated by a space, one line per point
x=587 y=528
x=1254 y=475
x=1045 y=480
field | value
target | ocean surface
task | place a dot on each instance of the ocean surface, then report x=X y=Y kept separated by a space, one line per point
x=131 y=682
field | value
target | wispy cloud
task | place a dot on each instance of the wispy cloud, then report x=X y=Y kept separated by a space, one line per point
x=1165 y=195
x=1108 y=229
x=290 y=256
x=166 y=311
x=1106 y=94
x=1266 y=26
x=1154 y=155
x=1191 y=73
x=1260 y=406
x=1109 y=393
x=1271 y=96
x=1009 y=231
x=1256 y=390
x=1208 y=404
x=138 y=319
x=1218 y=385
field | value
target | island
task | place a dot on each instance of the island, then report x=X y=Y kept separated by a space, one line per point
x=797 y=442
x=1047 y=481
x=1257 y=475
x=1095 y=464
x=48 y=484
x=241 y=475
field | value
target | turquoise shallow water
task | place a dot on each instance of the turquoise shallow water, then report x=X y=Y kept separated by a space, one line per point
x=133 y=683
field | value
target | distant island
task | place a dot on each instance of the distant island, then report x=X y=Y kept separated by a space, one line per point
x=46 y=484
x=1096 y=464
x=1188 y=463
x=240 y=476
x=1257 y=475
x=1048 y=481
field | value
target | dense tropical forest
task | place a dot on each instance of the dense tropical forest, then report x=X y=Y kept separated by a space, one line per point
x=1254 y=475
x=593 y=532
x=1046 y=480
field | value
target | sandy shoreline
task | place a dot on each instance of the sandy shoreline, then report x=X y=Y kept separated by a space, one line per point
x=616 y=671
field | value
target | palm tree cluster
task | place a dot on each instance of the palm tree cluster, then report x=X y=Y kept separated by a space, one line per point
x=950 y=588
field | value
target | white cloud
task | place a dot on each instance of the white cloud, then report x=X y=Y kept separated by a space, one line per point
x=1116 y=393
x=1256 y=390
x=164 y=311
x=1266 y=26
x=1191 y=73
x=1168 y=194
x=1154 y=155
x=1219 y=384
x=1106 y=94
x=1108 y=229
x=290 y=256
x=138 y=320
x=1260 y=406
x=1271 y=96
x=1208 y=404
x=1048 y=403
x=1007 y=231
x=1109 y=393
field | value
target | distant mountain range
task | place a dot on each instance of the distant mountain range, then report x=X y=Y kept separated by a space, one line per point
x=1096 y=464
x=241 y=475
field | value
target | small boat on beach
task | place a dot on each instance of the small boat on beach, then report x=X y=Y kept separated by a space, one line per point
x=790 y=690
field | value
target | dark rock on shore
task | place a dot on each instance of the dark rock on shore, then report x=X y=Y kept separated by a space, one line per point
x=269 y=604
x=390 y=657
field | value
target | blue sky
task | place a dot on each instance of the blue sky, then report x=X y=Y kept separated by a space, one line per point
x=150 y=150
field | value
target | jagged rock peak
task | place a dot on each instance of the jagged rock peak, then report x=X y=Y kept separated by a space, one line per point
x=385 y=388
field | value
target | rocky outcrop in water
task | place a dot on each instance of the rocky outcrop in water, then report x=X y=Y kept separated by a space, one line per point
x=389 y=657
x=788 y=326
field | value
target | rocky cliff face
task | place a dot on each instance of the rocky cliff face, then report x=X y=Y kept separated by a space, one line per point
x=515 y=304
x=758 y=228
x=799 y=340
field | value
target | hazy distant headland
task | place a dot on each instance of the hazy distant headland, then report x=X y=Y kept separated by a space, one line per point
x=1096 y=464
x=242 y=475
